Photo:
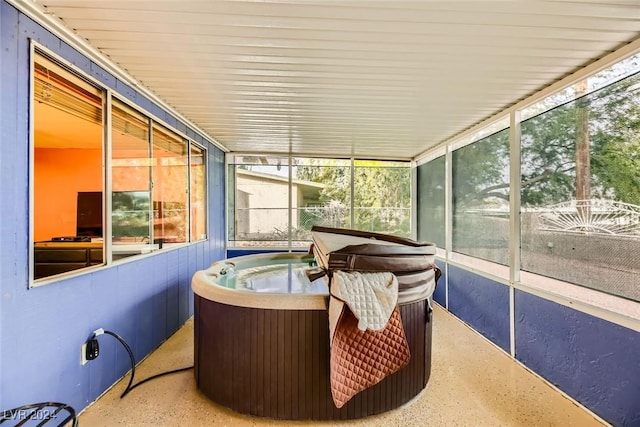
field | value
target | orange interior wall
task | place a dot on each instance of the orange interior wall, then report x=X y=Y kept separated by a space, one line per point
x=170 y=184
x=129 y=175
x=59 y=174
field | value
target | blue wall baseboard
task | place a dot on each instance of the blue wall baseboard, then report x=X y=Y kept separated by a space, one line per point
x=482 y=303
x=592 y=360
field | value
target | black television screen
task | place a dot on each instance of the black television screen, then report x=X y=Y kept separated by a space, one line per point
x=89 y=214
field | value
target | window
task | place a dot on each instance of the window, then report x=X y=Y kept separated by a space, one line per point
x=382 y=197
x=67 y=171
x=580 y=195
x=259 y=203
x=579 y=210
x=130 y=182
x=198 y=195
x=321 y=195
x=157 y=177
x=431 y=201
x=480 y=187
x=170 y=187
x=274 y=204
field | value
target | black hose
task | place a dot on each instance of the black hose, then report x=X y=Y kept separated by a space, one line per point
x=160 y=375
x=133 y=366
x=131 y=357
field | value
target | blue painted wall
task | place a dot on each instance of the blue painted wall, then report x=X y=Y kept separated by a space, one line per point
x=482 y=303
x=145 y=301
x=594 y=361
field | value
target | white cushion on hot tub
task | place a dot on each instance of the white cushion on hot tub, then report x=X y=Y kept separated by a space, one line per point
x=370 y=296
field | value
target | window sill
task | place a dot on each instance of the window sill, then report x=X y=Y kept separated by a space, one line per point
x=609 y=307
x=481 y=266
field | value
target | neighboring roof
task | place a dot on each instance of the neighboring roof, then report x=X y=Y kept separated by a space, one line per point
x=309 y=189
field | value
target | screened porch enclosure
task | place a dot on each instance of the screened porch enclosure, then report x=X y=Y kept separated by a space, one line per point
x=507 y=133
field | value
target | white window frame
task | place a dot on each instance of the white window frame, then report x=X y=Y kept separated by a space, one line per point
x=610 y=307
x=108 y=95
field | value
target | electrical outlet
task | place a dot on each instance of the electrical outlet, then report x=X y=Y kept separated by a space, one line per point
x=90 y=350
x=83 y=354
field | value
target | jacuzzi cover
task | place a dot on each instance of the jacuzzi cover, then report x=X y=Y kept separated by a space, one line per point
x=412 y=262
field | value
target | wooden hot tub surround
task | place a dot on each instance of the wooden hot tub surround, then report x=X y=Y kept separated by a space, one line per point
x=275 y=363
x=267 y=354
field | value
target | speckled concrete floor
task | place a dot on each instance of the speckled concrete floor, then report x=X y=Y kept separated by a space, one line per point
x=472 y=384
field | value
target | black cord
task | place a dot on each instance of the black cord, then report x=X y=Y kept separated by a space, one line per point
x=160 y=375
x=133 y=360
x=133 y=365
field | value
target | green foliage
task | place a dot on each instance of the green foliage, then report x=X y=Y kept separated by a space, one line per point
x=130 y=214
x=481 y=172
x=337 y=179
x=381 y=196
x=549 y=148
x=548 y=157
x=431 y=201
x=617 y=167
x=616 y=145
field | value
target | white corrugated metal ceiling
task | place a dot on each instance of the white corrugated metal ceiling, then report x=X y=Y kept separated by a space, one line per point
x=382 y=79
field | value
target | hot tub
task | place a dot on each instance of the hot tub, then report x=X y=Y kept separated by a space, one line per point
x=262 y=342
